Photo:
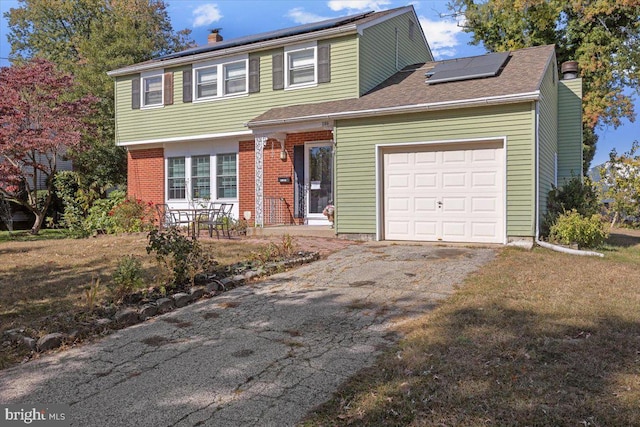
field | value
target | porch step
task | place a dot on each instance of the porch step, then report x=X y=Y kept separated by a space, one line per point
x=293 y=230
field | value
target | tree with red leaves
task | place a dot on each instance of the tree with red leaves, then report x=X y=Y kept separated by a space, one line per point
x=39 y=121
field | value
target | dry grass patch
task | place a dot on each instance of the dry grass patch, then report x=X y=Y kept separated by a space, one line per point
x=534 y=338
x=43 y=283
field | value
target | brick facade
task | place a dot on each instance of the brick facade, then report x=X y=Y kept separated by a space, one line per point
x=145 y=174
x=273 y=169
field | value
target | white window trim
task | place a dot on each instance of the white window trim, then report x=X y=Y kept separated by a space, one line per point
x=186 y=177
x=150 y=74
x=215 y=177
x=219 y=65
x=296 y=48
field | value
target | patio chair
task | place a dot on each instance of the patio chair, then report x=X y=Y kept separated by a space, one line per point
x=166 y=218
x=224 y=218
x=209 y=218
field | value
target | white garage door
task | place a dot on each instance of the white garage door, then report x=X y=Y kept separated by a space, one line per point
x=440 y=193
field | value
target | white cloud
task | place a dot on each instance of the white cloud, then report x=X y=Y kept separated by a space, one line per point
x=206 y=14
x=299 y=16
x=442 y=36
x=337 y=5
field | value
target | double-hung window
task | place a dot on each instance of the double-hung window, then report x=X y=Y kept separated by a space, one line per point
x=207 y=83
x=176 y=177
x=152 y=89
x=235 y=78
x=220 y=79
x=301 y=65
x=200 y=177
x=226 y=176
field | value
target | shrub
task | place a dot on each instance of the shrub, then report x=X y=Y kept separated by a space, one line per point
x=127 y=278
x=572 y=227
x=178 y=256
x=131 y=215
x=575 y=194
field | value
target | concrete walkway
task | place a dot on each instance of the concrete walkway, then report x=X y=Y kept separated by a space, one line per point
x=261 y=355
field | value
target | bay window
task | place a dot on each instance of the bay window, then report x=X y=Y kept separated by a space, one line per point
x=226 y=176
x=176 y=178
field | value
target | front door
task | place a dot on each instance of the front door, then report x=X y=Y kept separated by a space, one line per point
x=318 y=164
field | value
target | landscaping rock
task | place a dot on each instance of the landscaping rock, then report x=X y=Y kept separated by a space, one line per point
x=147 y=311
x=103 y=322
x=30 y=343
x=50 y=341
x=164 y=305
x=250 y=274
x=226 y=281
x=127 y=316
x=197 y=292
x=213 y=287
x=239 y=278
x=181 y=299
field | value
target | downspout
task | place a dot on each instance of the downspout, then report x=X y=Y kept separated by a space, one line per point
x=539 y=242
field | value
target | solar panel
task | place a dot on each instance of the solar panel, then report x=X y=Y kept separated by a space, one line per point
x=254 y=38
x=467 y=68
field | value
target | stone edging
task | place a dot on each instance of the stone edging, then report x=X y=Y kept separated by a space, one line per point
x=127 y=316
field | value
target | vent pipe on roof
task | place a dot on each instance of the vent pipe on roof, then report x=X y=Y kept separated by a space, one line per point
x=569 y=70
x=214 y=36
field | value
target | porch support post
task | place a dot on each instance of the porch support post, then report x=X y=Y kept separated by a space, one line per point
x=261 y=141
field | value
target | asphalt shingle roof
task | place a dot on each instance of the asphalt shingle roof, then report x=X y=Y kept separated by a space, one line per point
x=522 y=74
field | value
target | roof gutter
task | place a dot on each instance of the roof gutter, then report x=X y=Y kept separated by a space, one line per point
x=253 y=47
x=405 y=109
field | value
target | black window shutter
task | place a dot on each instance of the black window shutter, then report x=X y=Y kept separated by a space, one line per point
x=298 y=188
x=186 y=86
x=254 y=75
x=324 y=63
x=135 y=93
x=168 y=88
x=278 y=70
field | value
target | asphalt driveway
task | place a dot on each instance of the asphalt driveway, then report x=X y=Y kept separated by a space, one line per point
x=260 y=355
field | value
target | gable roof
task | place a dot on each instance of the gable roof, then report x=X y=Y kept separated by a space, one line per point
x=327 y=28
x=407 y=91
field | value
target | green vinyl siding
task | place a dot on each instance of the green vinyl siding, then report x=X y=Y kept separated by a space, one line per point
x=377 y=50
x=229 y=115
x=569 y=129
x=355 y=157
x=547 y=136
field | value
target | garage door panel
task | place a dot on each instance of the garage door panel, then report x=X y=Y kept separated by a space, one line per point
x=453 y=229
x=425 y=157
x=438 y=193
x=484 y=179
x=484 y=155
x=399 y=205
x=399 y=181
x=453 y=157
x=480 y=230
x=484 y=205
x=454 y=205
x=426 y=180
x=454 y=180
x=426 y=230
x=425 y=205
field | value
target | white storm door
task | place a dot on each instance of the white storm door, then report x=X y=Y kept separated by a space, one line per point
x=318 y=164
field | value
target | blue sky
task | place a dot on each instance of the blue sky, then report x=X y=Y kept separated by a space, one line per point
x=242 y=17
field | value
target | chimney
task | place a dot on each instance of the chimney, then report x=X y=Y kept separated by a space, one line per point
x=569 y=70
x=214 y=36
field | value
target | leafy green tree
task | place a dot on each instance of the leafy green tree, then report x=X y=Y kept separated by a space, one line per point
x=39 y=123
x=88 y=38
x=603 y=36
x=621 y=183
